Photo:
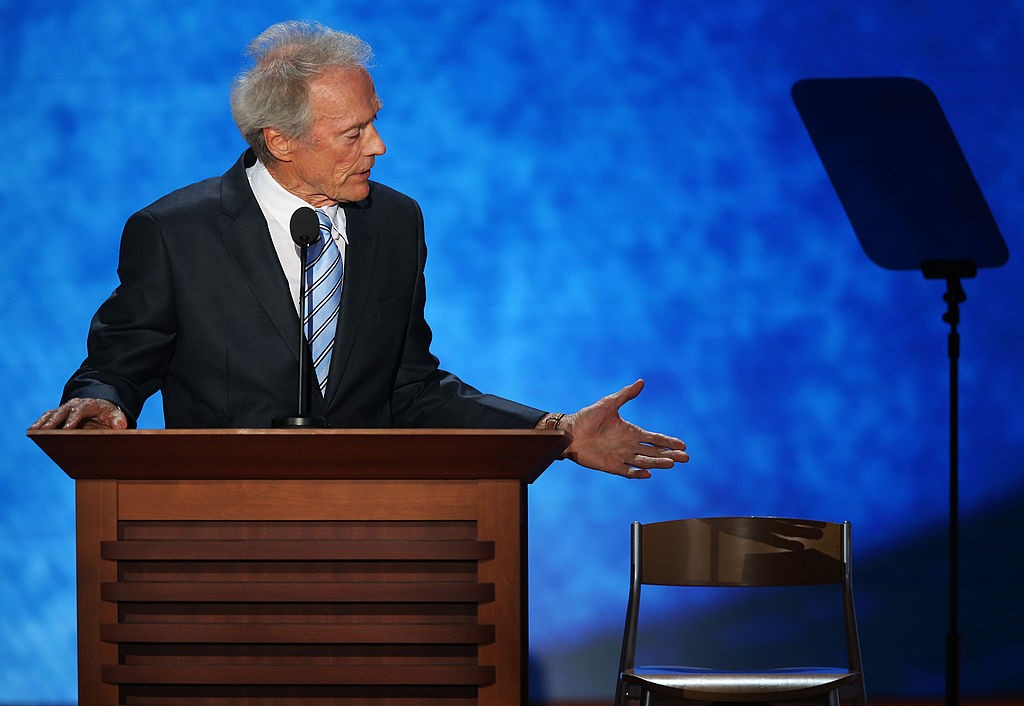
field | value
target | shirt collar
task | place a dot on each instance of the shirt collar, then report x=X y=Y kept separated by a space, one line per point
x=279 y=204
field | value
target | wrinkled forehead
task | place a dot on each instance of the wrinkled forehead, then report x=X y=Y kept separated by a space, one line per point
x=344 y=94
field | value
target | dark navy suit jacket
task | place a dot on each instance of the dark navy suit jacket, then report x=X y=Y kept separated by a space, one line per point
x=203 y=313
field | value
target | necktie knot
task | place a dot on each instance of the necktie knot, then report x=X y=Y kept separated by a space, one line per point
x=326 y=226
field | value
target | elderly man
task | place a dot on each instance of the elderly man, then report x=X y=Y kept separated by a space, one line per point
x=210 y=279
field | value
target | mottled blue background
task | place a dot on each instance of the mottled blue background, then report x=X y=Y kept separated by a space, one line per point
x=613 y=190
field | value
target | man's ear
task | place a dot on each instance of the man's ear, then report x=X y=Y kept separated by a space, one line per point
x=279 y=145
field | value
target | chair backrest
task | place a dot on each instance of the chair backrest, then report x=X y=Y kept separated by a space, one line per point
x=740 y=551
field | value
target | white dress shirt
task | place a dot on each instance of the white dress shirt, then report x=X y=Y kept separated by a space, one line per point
x=278 y=205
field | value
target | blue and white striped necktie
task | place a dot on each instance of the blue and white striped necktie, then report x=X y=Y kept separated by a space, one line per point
x=323 y=272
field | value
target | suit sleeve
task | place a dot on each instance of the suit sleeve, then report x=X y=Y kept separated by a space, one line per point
x=427 y=396
x=132 y=335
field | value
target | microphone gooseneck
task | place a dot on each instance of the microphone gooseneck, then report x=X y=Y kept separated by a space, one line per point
x=305 y=230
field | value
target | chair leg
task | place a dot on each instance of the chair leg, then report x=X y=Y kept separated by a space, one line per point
x=620 y=693
x=833 y=697
x=862 y=695
x=646 y=698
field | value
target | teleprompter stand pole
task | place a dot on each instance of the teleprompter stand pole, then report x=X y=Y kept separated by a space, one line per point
x=952 y=271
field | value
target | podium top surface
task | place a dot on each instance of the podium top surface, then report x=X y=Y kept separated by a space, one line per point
x=302 y=454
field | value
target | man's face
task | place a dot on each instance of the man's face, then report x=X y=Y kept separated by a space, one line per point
x=333 y=162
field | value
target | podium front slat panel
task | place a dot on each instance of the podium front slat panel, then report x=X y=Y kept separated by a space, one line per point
x=351 y=673
x=295 y=550
x=299 y=633
x=188 y=591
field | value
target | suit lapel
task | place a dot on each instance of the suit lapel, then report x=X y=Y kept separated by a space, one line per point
x=247 y=239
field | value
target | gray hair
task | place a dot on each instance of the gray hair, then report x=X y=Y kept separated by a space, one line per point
x=274 y=92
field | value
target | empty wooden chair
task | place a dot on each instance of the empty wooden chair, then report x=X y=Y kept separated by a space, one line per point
x=732 y=552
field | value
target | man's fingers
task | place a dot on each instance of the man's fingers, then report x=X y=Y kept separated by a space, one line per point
x=75 y=418
x=662 y=441
x=95 y=423
x=634 y=472
x=675 y=455
x=626 y=394
x=83 y=413
x=50 y=419
x=641 y=461
x=670 y=449
x=99 y=414
x=115 y=419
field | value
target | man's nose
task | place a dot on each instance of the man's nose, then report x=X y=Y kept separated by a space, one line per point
x=375 y=145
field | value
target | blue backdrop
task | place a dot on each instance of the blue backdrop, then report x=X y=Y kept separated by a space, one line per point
x=612 y=190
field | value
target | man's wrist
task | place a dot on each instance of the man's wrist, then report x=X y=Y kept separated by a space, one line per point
x=557 y=421
x=551 y=420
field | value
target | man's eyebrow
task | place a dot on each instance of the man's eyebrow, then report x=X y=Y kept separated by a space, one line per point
x=357 y=125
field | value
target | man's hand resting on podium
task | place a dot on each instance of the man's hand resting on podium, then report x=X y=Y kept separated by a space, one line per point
x=604 y=441
x=83 y=413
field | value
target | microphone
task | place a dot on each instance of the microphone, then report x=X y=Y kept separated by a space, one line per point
x=305 y=227
x=305 y=230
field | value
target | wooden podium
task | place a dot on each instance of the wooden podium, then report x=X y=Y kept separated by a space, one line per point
x=301 y=566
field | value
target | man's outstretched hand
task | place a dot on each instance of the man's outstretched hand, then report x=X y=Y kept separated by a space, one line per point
x=604 y=441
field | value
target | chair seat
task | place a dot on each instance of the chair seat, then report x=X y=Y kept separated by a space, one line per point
x=699 y=683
